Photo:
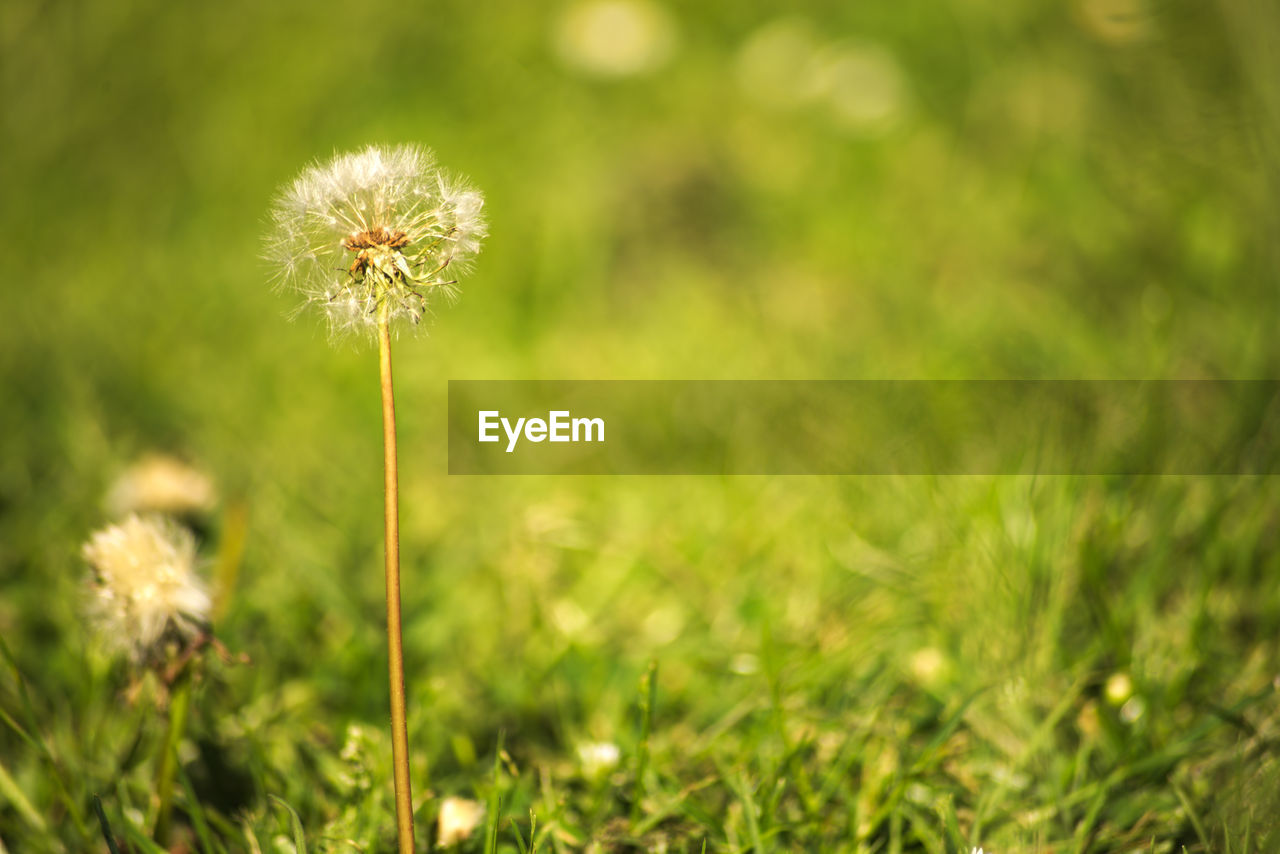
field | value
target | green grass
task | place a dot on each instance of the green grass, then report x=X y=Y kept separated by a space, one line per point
x=837 y=664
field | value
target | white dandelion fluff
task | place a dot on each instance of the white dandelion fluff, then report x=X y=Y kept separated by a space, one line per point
x=145 y=587
x=159 y=483
x=597 y=757
x=377 y=232
x=459 y=817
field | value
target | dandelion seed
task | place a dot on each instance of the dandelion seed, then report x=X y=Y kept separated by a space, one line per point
x=381 y=231
x=145 y=587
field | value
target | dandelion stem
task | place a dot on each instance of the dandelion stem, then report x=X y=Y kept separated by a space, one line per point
x=395 y=646
x=235 y=526
x=179 y=702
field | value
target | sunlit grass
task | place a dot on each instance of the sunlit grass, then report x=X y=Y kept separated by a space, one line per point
x=878 y=664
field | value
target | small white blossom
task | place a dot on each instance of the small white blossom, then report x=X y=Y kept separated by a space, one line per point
x=458 y=818
x=597 y=757
x=145 y=586
x=379 y=231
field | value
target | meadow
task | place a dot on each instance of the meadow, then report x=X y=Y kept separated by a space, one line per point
x=815 y=190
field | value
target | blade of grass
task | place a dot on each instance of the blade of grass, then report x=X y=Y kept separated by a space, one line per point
x=495 y=800
x=1196 y=824
x=105 y=825
x=951 y=823
x=749 y=813
x=648 y=699
x=295 y=825
x=230 y=556
x=9 y=791
x=42 y=746
x=138 y=841
x=167 y=764
x=196 y=812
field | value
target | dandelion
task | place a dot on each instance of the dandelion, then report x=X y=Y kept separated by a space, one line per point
x=374 y=236
x=1116 y=22
x=147 y=600
x=145 y=589
x=459 y=817
x=159 y=483
x=598 y=757
x=615 y=38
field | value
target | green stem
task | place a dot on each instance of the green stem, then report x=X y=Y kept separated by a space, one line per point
x=179 y=702
x=648 y=698
x=234 y=527
x=395 y=644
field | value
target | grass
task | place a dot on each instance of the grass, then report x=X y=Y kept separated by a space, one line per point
x=845 y=664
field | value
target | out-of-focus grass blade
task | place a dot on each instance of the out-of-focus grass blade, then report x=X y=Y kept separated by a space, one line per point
x=106 y=825
x=295 y=824
x=39 y=744
x=196 y=813
x=495 y=801
x=10 y=792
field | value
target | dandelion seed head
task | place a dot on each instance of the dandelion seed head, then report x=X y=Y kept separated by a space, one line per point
x=379 y=230
x=159 y=483
x=598 y=757
x=615 y=38
x=458 y=818
x=144 y=586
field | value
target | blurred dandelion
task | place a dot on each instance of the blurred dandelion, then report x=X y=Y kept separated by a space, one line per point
x=459 y=817
x=860 y=86
x=1133 y=709
x=863 y=87
x=159 y=483
x=375 y=233
x=598 y=757
x=1116 y=22
x=773 y=65
x=145 y=589
x=615 y=38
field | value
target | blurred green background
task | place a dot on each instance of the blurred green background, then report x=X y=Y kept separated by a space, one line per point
x=963 y=189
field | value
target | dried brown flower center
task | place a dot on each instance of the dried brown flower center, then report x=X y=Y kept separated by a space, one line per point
x=380 y=236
